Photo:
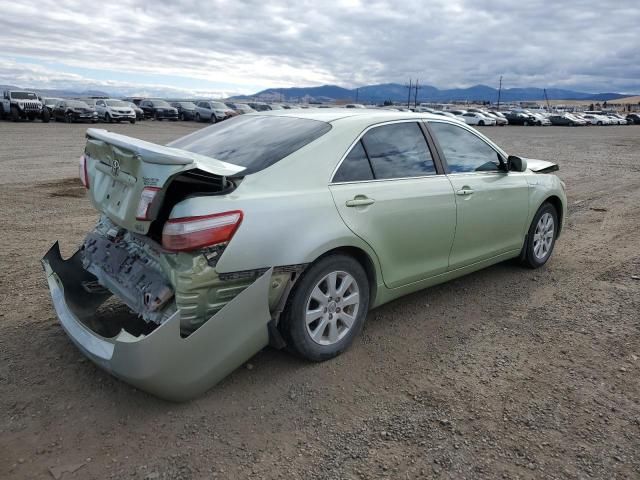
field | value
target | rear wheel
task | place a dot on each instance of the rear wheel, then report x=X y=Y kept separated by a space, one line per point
x=327 y=309
x=541 y=237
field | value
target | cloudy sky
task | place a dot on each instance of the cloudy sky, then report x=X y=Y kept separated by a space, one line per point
x=234 y=46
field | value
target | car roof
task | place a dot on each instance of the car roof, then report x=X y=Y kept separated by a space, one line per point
x=369 y=115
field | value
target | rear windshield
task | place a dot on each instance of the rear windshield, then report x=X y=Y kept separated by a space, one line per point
x=253 y=142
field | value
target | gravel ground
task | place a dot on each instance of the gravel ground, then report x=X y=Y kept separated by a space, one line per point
x=506 y=373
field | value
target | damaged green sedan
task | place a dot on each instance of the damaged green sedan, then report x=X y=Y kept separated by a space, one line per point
x=284 y=229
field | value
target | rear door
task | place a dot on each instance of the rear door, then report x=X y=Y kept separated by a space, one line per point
x=492 y=204
x=390 y=193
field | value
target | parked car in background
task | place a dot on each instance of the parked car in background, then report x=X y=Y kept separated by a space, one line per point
x=446 y=114
x=475 y=118
x=263 y=230
x=74 y=111
x=240 y=108
x=500 y=120
x=51 y=102
x=186 y=110
x=22 y=105
x=566 y=120
x=114 y=110
x=158 y=109
x=518 y=117
x=211 y=111
x=259 y=107
x=633 y=118
x=138 y=111
x=354 y=105
x=540 y=119
x=617 y=119
x=597 y=119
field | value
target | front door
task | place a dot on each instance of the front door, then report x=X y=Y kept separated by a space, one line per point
x=389 y=193
x=492 y=204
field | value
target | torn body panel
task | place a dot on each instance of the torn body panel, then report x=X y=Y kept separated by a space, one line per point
x=162 y=362
x=541 y=166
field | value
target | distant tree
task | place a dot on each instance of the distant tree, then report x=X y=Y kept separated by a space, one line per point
x=387 y=103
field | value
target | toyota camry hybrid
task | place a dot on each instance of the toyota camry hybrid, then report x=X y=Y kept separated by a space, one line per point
x=285 y=228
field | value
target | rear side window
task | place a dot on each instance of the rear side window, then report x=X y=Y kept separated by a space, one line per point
x=398 y=150
x=355 y=166
x=253 y=142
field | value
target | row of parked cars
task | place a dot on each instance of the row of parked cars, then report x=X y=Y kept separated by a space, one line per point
x=481 y=117
x=134 y=109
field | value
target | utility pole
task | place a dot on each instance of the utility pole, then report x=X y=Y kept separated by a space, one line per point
x=547 y=99
x=409 y=97
x=357 y=92
x=415 y=98
x=499 y=92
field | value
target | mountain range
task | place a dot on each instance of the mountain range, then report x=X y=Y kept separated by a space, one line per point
x=394 y=92
x=426 y=93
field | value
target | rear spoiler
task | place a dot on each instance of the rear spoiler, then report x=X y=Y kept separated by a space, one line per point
x=161 y=155
x=541 y=166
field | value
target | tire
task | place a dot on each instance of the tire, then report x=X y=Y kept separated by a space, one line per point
x=46 y=115
x=132 y=121
x=15 y=114
x=68 y=118
x=599 y=124
x=1 y=112
x=213 y=119
x=539 y=124
x=198 y=117
x=107 y=118
x=481 y=123
x=327 y=334
x=181 y=117
x=540 y=240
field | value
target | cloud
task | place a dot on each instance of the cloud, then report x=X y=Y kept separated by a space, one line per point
x=244 y=45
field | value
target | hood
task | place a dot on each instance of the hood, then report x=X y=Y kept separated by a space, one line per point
x=541 y=166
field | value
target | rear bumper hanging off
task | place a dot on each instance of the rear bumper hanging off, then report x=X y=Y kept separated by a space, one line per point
x=162 y=363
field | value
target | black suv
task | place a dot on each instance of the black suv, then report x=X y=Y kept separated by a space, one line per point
x=74 y=111
x=186 y=110
x=158 y=109
x=633 y=118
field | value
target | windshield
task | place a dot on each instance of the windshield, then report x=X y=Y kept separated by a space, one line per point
x=24 y=96
x=189 y=105
x=77 y=104
x=51 y=101
x=219 y=105
x=116 y=103
x=160 y=103
x=253 y=142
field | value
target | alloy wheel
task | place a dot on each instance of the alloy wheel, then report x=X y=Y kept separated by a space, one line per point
x=543 y=236
x=332 y=308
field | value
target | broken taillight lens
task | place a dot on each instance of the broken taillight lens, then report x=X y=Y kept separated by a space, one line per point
x=82 y=171
x=146 y=198
x=192 y=233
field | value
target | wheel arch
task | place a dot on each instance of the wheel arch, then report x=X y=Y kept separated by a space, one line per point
x=364 y=259
x=557 y=204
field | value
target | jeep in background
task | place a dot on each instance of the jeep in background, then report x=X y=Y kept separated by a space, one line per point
x=19 y=104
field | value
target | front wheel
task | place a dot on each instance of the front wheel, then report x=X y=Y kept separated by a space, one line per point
x=107 y=118
x=15 y=114
x=197 y=117
x=46 y=115
x=327 y=308
x=541 y=237
x=481 y=123
x=133 y=120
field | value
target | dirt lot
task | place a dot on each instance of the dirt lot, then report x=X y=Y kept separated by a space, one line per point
x=507 y=373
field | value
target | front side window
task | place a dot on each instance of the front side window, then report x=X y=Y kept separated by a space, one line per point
x=355 y=167
x=464 y=151
x=398 y=150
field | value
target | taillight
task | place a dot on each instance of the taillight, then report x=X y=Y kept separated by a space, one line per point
x=82 y=171
x=191 y=233
x=146 y=198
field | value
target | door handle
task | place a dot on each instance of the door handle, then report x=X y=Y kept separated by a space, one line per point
x=360 y=201
x=464 y=191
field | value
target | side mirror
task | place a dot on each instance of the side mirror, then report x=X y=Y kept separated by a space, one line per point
x=516 y=164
